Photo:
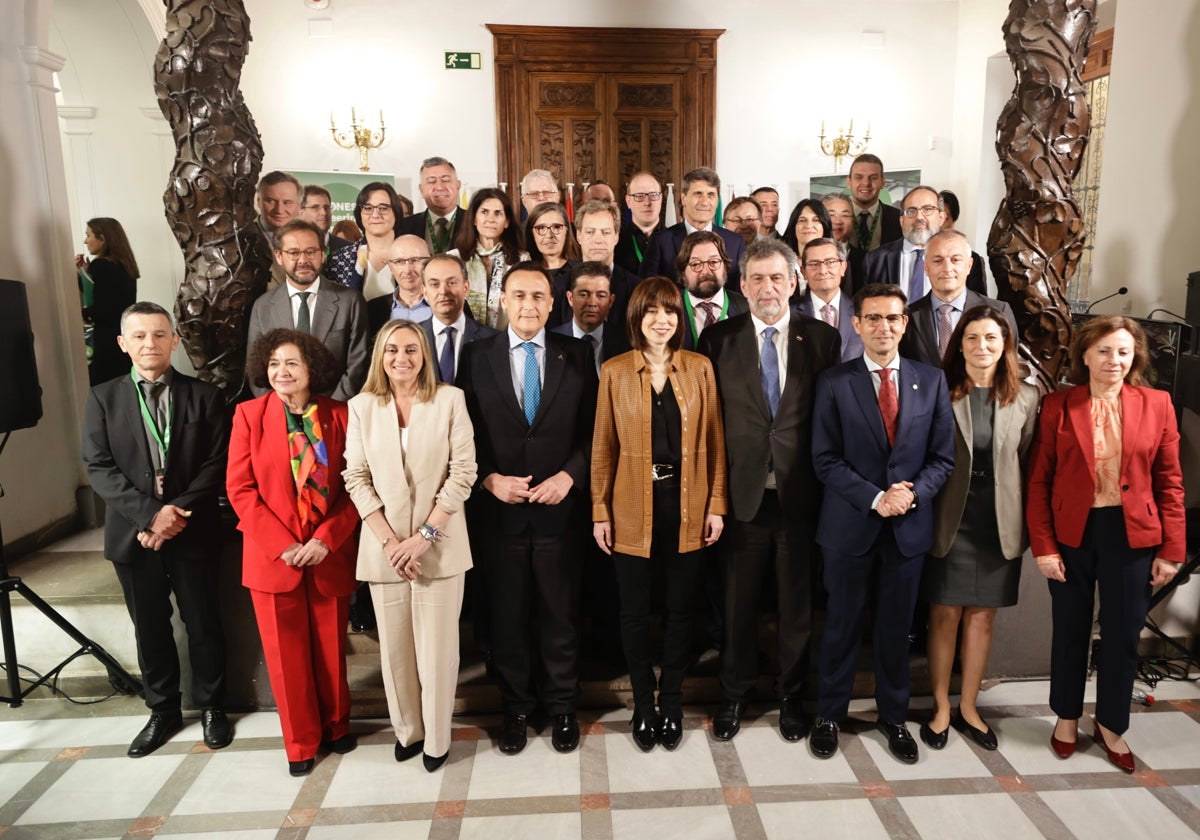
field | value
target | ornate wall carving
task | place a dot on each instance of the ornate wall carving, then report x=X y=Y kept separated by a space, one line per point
x=564 y=93
x=645 y=96
x=1037 y=237
x=584 y=150
x=209 y=201
x=550 y=146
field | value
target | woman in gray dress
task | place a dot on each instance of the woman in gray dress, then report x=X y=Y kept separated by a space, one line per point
x=979 y=527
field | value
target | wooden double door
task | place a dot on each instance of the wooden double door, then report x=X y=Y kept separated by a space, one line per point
x=592 y=104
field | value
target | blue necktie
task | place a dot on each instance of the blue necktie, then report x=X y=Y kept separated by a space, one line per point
x=446 y=360
x=770 y=369
x=531 y=387
x=916 y=284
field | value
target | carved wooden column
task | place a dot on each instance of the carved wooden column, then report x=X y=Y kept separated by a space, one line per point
x=1037 y=237
x=210 y=199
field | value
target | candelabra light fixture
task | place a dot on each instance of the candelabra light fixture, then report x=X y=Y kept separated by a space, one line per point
x=358 y=136
x=843 y=144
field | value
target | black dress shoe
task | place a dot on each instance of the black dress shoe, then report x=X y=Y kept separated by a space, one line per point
x=434 y=762
x=984 y=738
x=564 y=734
x=728 y=720
x=823 y=739
x=405 y=753
x=341 y=746
x=301 y=768
x=934 y=740
x=514 y=738
x=792 y=725
x=670 y=731
x=155 y=733
x=900 y=741
x=645 y=729
x=217 y=731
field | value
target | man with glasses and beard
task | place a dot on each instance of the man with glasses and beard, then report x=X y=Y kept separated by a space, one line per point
x=903 y=261
x=703 y=264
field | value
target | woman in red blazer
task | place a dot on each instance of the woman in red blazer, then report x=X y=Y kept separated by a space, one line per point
x=1105 y=506
x=286 y=456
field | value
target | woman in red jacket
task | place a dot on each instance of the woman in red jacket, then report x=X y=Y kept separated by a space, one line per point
x=286 y=456
x=1105 y=507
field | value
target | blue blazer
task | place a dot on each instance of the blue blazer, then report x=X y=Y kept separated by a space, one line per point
x=665 y=245
x=852 y=346
x=853 y=460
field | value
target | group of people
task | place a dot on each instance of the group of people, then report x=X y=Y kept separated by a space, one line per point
x=424 y=408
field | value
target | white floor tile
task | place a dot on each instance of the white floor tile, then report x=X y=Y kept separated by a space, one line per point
x=56 y=733
x=1163 y=740
x=371 y=776
x=689 y=767
x=1025 y=742
x=102 y=789
x=770 y=760
x=14 y=775
x=536 y=771
x=235 y=834
x=697 y=822
x=979 y=816
x=92 y=540
x=1191 y=793
x=956 y=761
x=839 y=818
x=407 y=830
x=242 y=781
x=525 y=827
x=1127 y=812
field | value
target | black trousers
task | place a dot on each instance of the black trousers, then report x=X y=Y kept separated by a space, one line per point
x=769 y=552
x=893 y=579
x=1103 y=558
x=148 y=583
x=533 y=585
x=681 y=575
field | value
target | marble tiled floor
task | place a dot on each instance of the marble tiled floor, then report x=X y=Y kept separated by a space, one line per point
x=64 y=774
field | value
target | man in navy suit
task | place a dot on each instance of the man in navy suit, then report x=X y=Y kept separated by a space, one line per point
x=883 y=445
x=701 y=195
x=444 y=281
x=903 y=261
x=824 y=264
x=532 y=399
x=441 y=221
x=590 y=299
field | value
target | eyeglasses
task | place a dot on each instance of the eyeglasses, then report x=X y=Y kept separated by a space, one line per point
x=924 y=210
x=874 y=320
x=412 y=262
x=296 y=253
x=544 y=230
x=646 y=196
x=372 y=209
x=831 y=263
x=741 y=220
x=711 y=264
x=542 y=195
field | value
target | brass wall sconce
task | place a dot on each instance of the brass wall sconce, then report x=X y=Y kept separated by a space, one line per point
x=843 y=145
x=358 y=136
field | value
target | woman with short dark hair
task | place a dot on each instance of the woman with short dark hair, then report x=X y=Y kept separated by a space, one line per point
x=363 y=264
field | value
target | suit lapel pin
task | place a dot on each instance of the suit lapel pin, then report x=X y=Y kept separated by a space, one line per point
x=799 y=338
x=560 y=357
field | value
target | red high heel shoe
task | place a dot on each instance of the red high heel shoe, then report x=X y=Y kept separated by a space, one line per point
x=1123 y=761
x=1063 y=749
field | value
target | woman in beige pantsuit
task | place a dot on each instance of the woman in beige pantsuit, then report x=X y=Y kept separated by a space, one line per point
x=410 y=466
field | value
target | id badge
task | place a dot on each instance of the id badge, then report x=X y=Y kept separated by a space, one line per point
x=158 y=482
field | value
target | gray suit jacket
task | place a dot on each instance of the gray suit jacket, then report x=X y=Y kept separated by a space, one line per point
x=920 y=340
x=1012 y=433
x=852 y=346
x=339 y=321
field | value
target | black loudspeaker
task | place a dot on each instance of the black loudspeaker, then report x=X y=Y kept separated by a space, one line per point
x=20 y=393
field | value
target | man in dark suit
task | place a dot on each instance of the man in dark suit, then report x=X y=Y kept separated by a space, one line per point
x=977 y=279
x=442 y=219
x=532 y=400
x=406 y=259
x=903 y=261
x=316 y=207
x=155 y=443
x=591 y=300
x=933 y=318
x=445 y=285
x=768 y=202
x=703 y=266
x=875 y=223
x=824 y=264
x=700 y=197
x=597 y=226
x=644 y=199
x=334 y=314
x=766 y=362
x=883 y=445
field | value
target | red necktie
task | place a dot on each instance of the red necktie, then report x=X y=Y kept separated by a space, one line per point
x=710 y=315
x=888 y=406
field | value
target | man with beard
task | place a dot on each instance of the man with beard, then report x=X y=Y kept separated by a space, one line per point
x=335 y=315
x=644 y=199
x=768 y=201
x=743 y=216
x=903 y=262
x=703 y=264
x=766 y=362
x=406 y=259
x=439 y=224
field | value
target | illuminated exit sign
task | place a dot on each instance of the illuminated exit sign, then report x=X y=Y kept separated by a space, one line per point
x=463 y=61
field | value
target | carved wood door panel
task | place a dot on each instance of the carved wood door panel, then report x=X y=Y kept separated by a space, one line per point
x=588 y=104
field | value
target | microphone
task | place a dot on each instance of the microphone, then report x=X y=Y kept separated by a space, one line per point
x=1120 y=291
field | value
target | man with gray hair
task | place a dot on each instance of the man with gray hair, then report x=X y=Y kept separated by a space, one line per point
x=538 y=186
x=700 y=197
x=440 y=223
x=766 y=361
x=903 y=261
x=155 y=444
x=823 y=265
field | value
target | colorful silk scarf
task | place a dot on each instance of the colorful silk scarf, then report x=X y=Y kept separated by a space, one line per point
x=310 y=466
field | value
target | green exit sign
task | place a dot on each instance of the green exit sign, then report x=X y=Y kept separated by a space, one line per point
x=462 y=61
